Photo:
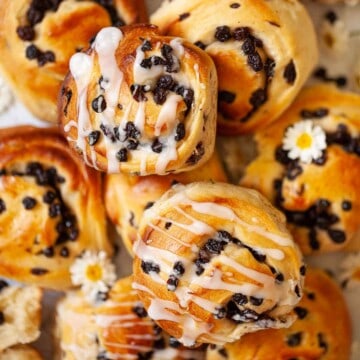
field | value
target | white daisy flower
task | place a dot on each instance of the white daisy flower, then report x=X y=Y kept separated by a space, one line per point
x=335 y=36
x=304 y=141
x=95 y=273
x=6 y=96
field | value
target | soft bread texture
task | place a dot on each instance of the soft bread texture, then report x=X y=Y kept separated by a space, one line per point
x=300 y=189
x=261 y=60
x=322 y=330
x=20 y=352
x=118 y=328
x=214 y=261
x=140 y=103
x=126 y=196
x=21 y=313
x=63 y=31
x=51 y=207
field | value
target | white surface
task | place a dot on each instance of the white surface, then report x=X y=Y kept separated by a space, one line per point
x=338 y=63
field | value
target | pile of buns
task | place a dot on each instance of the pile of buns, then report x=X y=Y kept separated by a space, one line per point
x=134 y=106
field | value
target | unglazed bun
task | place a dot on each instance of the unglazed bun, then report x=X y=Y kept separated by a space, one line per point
x=215 y=261
x=261 y=60
x=50 y=207
x=20 y=309
x=321 y=199
x=348 y=2
x=119 y=328
x=20 y=352
x=37 y=39
x=126 y=196
x=322 y=330
x=140 y=103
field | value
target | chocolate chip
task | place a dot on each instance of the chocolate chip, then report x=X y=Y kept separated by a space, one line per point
x=293 y=171
x=223 y=352
x=2 y=206
x=320 y=73
x=279 y=277
x=337 y=236
x=300 y=312
x=341 y=81
x=122 y=155
x=45 y=57
x=148 y=205
x=290 y=73
x=346 y=205
x=223 y=33
x=297 y=291
x=159 y=344
x=32 y=52
x=180 y=132
x=157 y=146
x=184 y=16
x=313 y=241
x=138 y=92
x=29 y=202
x=248 y=47
x=48 y=252
x=34 y=15
x=256 y=301
x=321 y=341
x=3 y=284
x=303 y=270
x=148 y=267
x=108 y=132
x=214 y=246
x=2 y=318
x=241 y=33
x=220 y=313
x=197 y=154
x=200 y=45
x=311 y=296
x=235 y=5
x=54 y=210
x=174 y=343
x=64 y=252
x=172 y=283
x=294 y=339
x=146 y=46
x=93 y=137
x=258 y=98
x=240 y=299
x=226 y=96
x=255 y=62
x=99 y=104
x=179 y=268
x=140 y=311
x=39 y=271
x=25 y=33
x=331 y=17
x=146 y=63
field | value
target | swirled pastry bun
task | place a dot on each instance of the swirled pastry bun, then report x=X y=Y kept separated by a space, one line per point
x=20 y=314
x=261 y=60
x=309 y=166
x=119 y=328
x=50 y=207
x=37 y=39
x=140 y=103
x=20 y=352
x=126 y=196
x=215 y=261
x=322 y=329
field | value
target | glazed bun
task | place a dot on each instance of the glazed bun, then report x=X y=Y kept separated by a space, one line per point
x=261 y=60
x=20 y=314
x=309 y=166
x=50 y=207
x=37 y=39
x=20 y=352
x=126 y=196
x=119 y=328
x=321 y=331
x=140 y=103
x=214 y=261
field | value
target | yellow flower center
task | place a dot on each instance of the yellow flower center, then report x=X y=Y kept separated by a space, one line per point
x=93 y=272
x=304 y=141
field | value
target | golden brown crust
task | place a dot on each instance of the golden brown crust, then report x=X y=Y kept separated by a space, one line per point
x=322 y=330
x=204 y=246
x=20 y=352
x=126 y=196
x=261 y=61
x=156 y=115
x=63 y=32
x=117 y=328
x=21 y=315
x=336 y=181
x=51 y=208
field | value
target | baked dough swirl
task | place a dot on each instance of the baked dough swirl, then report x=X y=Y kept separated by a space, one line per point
x=50 y=207
x=137 y=102
x=322 y=329
x=38 y=37
x=215 y=261
x=118 y=328
x=261 y=60
x=320 y=198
